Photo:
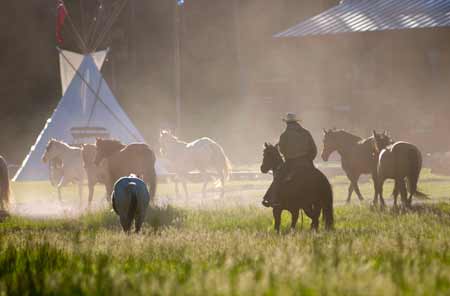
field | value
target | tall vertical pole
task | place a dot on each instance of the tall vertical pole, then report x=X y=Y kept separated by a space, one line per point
x=177 y=63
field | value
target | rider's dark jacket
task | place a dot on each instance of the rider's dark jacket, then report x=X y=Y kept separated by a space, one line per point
x=297 y=143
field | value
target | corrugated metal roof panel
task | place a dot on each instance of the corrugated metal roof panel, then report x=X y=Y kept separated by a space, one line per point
x=374 y=15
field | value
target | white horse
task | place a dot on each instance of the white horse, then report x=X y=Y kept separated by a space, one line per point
x=203 y=154
x=72 y=164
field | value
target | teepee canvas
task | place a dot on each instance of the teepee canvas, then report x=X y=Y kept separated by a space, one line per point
x=87 y=101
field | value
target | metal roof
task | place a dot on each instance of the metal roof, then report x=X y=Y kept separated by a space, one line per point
x=374 y=15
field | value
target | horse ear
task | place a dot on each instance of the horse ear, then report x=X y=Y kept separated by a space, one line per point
x=324 y=131
x=277 y=146
x=266 y=145
x=385 y=133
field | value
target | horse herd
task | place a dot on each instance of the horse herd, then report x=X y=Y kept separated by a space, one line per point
x=108 y=160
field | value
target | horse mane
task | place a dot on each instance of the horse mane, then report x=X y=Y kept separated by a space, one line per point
x=109 y=143
x=108 y=146
x=366 y=140
x=173 y=138
x=348 y=136
x=59 y=142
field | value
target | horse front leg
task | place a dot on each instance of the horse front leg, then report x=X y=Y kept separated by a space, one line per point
x=80 y=191
x=177 y=191
x=375 y=187
x=294 y=214
x=91 y=186
x=62 y=182
x=205 y=183
x=184 y=183
x=109 y=189
x=354 y=183
x=380 y=192
x=221 y=173
x=277 y=218
x=350 y=191
x=395 y=192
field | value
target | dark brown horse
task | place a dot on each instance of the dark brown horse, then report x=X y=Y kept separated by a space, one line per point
x=95 y=173
x=123 y=160
x=4 y=184
x=311 y=192
x=400 y=161
x=357 y=157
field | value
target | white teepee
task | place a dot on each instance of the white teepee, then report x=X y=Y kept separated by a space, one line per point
x=87 y=101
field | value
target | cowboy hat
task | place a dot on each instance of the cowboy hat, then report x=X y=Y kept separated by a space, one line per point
x=291 y=117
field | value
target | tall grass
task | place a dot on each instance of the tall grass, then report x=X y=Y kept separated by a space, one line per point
x=229 y=252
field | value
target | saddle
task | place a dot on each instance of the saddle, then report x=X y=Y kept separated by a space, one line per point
x=301 y=168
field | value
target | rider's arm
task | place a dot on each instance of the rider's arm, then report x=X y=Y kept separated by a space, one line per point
x=282 y=143
x=313 y=147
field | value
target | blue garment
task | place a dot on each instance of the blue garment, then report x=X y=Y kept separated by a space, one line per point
x=130 y=200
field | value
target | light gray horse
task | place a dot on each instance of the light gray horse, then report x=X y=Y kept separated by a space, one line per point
x=203 y=154
x=72 y=164
x=130 y=200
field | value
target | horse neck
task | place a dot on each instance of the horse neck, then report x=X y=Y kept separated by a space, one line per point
x=278 y=163
x=176 y=146
x=68 y=151
x=345 y=143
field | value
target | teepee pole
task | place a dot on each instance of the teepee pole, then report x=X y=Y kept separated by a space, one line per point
x=83 y=46
x=98 y=96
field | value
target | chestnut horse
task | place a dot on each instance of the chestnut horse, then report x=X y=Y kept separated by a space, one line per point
x=123 y=160
x=357 y=157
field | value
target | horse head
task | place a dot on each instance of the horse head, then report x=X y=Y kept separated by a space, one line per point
x=167 y=140
x=271 y=158
x=88 y=153
x=105 y=148
x=381 y=141
x=329 y=143
x=51 y=150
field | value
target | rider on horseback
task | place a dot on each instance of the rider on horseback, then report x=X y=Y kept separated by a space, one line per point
x=299 y=150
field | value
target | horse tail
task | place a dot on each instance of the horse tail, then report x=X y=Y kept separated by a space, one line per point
x=327 y=205
x=4 y=184
x=415 y=161
x=222 y=159
x=132 y=194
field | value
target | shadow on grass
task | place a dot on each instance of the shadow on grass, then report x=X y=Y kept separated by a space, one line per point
x=156 y=218
x=441 y=210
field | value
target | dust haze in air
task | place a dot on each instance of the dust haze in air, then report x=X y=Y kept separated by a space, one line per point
x=237 y=81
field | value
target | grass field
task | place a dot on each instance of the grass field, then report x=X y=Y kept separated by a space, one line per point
x=228 y=247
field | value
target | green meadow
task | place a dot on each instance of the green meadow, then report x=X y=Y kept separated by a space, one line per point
x=228 y=247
